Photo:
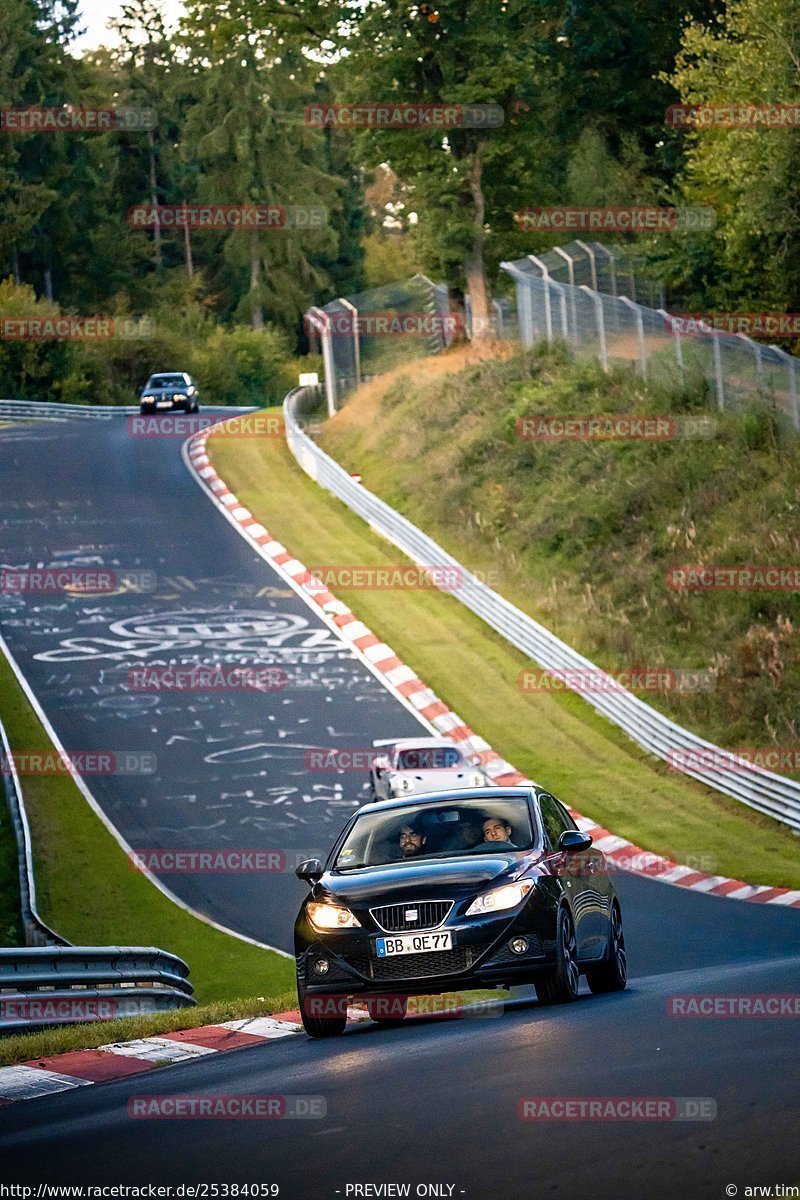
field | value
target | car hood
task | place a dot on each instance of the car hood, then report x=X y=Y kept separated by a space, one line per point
x=451 y=877
x=435 y=781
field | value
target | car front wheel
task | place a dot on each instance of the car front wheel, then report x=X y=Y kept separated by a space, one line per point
x=560 y=986
x=611 y=975
x=318 y=1026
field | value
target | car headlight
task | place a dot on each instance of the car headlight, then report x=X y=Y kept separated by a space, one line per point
x=331 y=916
x=402 y=785
x=507 y=896
x=476 y=780
x=148 y=397
x=180 y=396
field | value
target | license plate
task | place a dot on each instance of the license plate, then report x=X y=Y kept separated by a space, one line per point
x=413 y=943
x=163 y=404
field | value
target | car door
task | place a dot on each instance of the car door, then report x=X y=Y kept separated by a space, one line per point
x=578 y=874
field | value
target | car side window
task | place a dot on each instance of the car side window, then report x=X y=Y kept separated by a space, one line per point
x=554 y=818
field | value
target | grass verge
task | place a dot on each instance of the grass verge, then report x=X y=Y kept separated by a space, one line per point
x=87 y=891
x=554 y=738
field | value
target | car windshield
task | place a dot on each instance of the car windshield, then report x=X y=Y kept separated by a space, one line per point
x=166 y=381
x=437 y=830
x=428 y=758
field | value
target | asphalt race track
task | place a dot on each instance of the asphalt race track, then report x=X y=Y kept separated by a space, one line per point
x=230 y=770
x=437 y=1100
x=432 y=1102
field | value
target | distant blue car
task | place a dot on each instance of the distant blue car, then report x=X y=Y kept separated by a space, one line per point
x=172 y=391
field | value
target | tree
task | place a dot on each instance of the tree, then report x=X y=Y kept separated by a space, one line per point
x=751 y=55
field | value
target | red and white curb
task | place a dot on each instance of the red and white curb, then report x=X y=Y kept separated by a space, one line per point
x=404 y=683
x=78 y=1068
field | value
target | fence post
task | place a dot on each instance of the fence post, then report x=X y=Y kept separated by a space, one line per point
x=571 y=269
x=791 y=368
x=612 y=262
x=356 y=338
x=677 y=338
x=321 y=324
x=601 y=323
x=637 y=313
x=592 y=262
x=718 y=371
x=548 y=315
x=560 y=291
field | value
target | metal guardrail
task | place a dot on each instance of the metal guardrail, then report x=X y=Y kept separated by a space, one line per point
x=43 y=410
x=763 y=790
x=37 y=933
x=50 y=981
x=59 y=985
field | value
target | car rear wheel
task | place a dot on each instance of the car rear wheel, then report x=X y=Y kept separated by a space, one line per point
x=560 y=986
x=611 y=975
x=318 y=1026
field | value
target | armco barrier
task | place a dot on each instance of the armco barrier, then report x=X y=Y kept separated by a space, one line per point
x=34 y=928
x=43 y=410
x=49 y=975
x=765 y=791
x=45 y=985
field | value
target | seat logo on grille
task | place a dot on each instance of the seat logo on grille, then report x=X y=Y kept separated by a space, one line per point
x=411 y=914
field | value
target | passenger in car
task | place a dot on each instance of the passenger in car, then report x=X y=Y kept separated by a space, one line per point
x=412 y=841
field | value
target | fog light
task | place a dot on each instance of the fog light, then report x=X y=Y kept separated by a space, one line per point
x=322 y=966
x=519 y=945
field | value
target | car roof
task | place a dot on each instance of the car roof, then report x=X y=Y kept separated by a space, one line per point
x=428 y=742
x=456 y=794
x=161 y=374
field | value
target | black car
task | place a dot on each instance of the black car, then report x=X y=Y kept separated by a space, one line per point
x=170 y=391
x=471 y=888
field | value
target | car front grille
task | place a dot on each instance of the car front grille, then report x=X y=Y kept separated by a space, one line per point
x=393 y=918
x=415 y=966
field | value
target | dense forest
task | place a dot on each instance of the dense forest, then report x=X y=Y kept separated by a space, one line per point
x=217 y=114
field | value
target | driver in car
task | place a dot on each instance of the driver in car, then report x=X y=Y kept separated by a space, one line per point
x=495 y=829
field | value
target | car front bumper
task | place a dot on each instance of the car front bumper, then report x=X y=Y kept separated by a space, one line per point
x=480 y=956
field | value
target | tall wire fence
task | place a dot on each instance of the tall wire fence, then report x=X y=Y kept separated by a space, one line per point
x=601 y=302
x=585 y=295
x=369 y=333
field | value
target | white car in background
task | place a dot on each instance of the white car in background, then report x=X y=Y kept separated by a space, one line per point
x=410 y=766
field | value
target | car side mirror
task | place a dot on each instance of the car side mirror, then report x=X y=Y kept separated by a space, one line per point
x=572 y=841
x=309 y=870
